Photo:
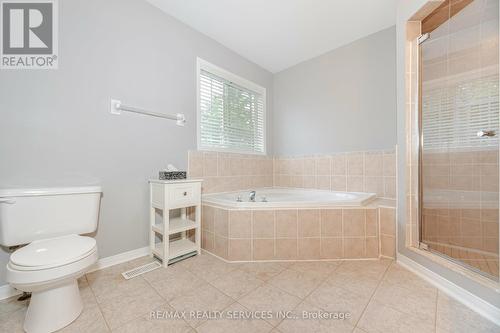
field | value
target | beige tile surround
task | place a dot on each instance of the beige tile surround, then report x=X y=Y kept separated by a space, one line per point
x=224 y=172
x=387 y=221
x=368 y=171
x=469 y=228
x=483 y=261
x=299 y=234
x=461 y=170
x=472 y=223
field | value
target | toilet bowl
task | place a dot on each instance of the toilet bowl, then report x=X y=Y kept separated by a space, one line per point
x=49 y=269
x=50 y=221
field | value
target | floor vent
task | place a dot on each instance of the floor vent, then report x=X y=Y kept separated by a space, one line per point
x=141 y=270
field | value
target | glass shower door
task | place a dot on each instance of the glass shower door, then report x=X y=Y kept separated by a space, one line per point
x=459 y=127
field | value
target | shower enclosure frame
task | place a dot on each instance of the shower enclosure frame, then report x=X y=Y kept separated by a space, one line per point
x=421 y=245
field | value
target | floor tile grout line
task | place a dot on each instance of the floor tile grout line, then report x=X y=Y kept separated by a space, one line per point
x=140 y=316
x=396 y=308
x=270 y=324
x=388 y=305
x=98 y=304
x=322 y=282
x=303 y=300
x=205 y=282
x=436 y=312
x=283 y=269
x=378 y=278
x=404 y=286
x=236 y=299
x=256 y=277
x=207 y=320
x=236 y=302
x=135 y=318
x=171 y=306
x=373 y=293
x=154 y=289
x=319 y=284
x=144 y=313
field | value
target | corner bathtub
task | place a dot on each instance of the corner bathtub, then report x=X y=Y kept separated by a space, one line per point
x=288 y=198
x=296 y=224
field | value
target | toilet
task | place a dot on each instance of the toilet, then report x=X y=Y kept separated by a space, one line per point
x=49 y=225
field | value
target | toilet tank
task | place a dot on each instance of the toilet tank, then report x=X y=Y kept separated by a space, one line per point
x=29 y=214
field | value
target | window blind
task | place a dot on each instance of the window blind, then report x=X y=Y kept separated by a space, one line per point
x=453 y=113
x=231 y=116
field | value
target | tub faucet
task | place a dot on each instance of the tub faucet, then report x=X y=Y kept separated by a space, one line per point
x=252 y=196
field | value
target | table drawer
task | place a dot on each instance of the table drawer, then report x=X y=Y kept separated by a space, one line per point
x=184 y=194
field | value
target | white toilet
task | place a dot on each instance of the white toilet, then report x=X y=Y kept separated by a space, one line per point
x=50 y=221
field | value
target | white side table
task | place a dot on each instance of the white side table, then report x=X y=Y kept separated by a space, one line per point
x=167 y=195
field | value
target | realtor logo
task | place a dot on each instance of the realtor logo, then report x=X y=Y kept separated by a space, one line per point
x=29 y=34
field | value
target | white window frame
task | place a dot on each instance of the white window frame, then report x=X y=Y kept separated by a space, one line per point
x=216 y=70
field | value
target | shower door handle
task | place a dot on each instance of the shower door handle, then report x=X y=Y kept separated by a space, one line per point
x=486 y=133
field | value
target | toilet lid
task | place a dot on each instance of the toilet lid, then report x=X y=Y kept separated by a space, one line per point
x=47 y=253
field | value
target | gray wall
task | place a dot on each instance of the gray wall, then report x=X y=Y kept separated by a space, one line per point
x=344 y=100
x=56 y=124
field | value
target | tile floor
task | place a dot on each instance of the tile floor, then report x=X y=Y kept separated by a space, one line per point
x=380 y=296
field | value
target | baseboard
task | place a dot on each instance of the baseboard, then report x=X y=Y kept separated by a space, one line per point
x=6 y=291
x=119 y=258
x=470 y=300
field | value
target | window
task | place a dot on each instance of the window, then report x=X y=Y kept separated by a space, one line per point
x=454 y=112
x=458 y=63
x=231 y=112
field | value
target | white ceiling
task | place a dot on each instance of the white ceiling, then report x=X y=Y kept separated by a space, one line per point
x=277 y=34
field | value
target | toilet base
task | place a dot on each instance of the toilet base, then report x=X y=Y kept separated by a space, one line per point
x=52 y=309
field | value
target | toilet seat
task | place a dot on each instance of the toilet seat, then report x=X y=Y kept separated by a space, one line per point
x=49 y=261
x=52 y=253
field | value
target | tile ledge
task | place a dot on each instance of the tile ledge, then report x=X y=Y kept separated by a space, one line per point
x=495 y=286
x=460 y=294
